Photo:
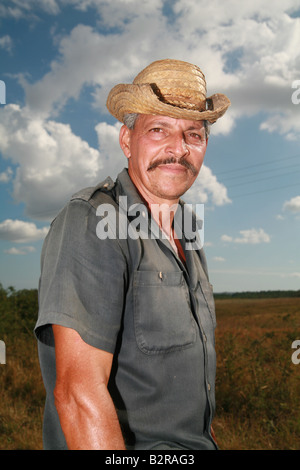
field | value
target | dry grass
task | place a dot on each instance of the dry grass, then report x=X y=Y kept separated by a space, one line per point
x=22 y=397
x=258 y=386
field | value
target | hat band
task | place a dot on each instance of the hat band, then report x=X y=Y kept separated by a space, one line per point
x=185 y=103
x=183 y=98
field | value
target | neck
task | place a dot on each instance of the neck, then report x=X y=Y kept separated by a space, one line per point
x=163 y=214
x=162 y=210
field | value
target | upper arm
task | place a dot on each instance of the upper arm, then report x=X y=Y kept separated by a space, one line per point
x=79 y=365
x=86 y=411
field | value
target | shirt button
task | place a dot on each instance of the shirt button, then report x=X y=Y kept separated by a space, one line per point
x=208 y=387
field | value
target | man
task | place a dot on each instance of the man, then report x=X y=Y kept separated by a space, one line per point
x=126 y=323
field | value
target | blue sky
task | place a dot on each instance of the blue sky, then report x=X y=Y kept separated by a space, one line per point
x=60 y=58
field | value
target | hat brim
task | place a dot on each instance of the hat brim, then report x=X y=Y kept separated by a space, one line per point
x=141 y=99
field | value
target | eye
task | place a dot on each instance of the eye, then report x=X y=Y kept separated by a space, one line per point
x=156 y=129
x=157 y=133
x=196 y=137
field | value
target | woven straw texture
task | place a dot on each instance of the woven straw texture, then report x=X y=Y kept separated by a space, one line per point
x=167 y=87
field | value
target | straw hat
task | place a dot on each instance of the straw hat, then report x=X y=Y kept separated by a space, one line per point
x=171 y=88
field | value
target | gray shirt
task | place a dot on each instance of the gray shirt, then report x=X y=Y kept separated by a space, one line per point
x=134 y=297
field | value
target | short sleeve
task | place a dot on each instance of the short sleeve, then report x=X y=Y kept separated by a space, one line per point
x=83 y=279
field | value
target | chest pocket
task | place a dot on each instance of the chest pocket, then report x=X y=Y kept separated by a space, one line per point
x=162 y=314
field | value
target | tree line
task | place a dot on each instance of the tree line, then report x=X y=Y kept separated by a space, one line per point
x=18 y=311
x=264 y=294
x=19 y=308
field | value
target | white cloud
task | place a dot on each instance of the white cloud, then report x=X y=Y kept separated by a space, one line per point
x=19 y=9
x=118 y=12
x=293 y=205
x=207 y=188
x=226 y=238
x=66 y=77
x=108 y=140
x=284 y=123
x=219 y=259
x=291 y=275
x=6 y=43
x=252 y=236
x=20 y=231
x=52 y=162
x=6 y=175
x=20 y=251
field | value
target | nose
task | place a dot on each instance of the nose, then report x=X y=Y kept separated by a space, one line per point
x=177 y=146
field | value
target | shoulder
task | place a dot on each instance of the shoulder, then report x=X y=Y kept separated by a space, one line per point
x=95 y=195
x=85 y=202
x=81 y=216
x=77 y=224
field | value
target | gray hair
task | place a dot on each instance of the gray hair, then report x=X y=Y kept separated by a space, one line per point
x=130 y=120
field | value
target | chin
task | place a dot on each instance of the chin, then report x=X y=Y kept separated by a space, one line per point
x=171 y=196
x=175 y=193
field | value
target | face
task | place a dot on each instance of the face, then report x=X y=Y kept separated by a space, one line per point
x=164 y=155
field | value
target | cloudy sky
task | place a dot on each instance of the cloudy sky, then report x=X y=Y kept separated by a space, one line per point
x=60 y=58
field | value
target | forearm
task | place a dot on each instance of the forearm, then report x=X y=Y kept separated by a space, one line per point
x=90 y=422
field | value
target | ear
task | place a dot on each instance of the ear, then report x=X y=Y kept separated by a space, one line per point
x=124 y=139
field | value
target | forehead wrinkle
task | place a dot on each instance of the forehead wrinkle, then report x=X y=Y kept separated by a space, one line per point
x=169 y=125
x=194 y=128
x=160 y=123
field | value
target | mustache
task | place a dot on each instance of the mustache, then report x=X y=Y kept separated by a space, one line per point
x=165 y=161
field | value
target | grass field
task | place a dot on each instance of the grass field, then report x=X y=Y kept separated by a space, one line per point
x=258 y=386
